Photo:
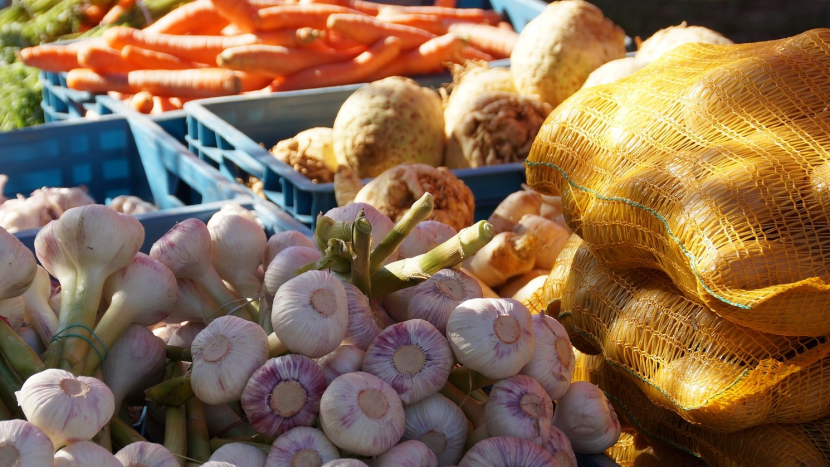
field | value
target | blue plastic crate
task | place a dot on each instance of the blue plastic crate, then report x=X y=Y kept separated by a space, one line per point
x=59 y=102
x=173 y=122
x=122 y=156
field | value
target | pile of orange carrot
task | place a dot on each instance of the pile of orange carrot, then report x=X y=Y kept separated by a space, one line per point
x=211 y=48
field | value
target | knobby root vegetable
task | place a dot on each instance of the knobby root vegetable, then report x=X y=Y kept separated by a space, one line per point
x=508 y=255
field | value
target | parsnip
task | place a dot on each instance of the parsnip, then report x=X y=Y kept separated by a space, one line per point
x=507 y=255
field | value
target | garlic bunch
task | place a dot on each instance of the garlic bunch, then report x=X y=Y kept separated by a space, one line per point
x=310 y=314
x=492 y=336
x=19 y=266
x=225 y=355
x=85 y=454
x=410 y=453
x=559 y=446
x=587 y=418
x=184 y=335
x=345 y=359
x=502 y=451
x=145 y=454
x=424 y=237
x=282 y=240
x=241 y=453
x=237 y=246
x=362 y=414
x=282 y=267
x=283 y=393
x=24 y=445
x=518 y=406
x=301 y=447
x=553 y=361
x=65 y=407
x=135 y=363
x=366 y=319
x=440 y=425
x=412 y=357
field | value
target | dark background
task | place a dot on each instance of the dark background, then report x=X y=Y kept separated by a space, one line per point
x=739 y=20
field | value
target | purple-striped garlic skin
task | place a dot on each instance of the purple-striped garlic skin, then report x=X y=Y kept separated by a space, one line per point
x=146 y=454
x=301 y=447
x=409 y=453
x=553 y=361
x=344 y=359
x=435 y=299
x=501 y=451
x=365 y=320
x=519 y=406
x=310 y=314
x=587 y=418
x=184 y=335
x=135 y=363
x=440 y=424
x=239 y=453
x=493 y=336
x=23 y=444
x=559 y=446
x=424 y=237
x=362 y=414
x=413 y=357
x=282 y=240
x=218 y=464
x=283 y=393
x=282 y=267
x=83 y=454
x=345 y=463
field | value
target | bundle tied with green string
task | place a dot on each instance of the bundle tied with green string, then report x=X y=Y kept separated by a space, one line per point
x=710 y=164
x=680 y=354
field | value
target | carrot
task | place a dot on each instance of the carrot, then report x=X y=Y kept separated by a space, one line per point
x=368 y=30
x=142 y=102
x=84 y=79
x=431 y=23
x=472 y=53
x=336 y=40
x=296 y=16
x=253 y=81
x=152 y=60
x=117 y=11
x=187 y=18
x=203 y=82
x=352 y=71
x=260 y=4
x=445 y=3
x=231 y=30
x=489 y=39
x=506 y=25
x=476 y=15
x=363 y=6
x=50 y=57
x=202 y=49
x=279 y=61
x=93 y=14
x=290 y=37
x=239 y=12
x=104 y=59
x=427 y=58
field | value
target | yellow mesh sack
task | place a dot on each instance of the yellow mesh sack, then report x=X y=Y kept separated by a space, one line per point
x=683 y=356
x=775 y=445
x=710 y=164
x=634 y=449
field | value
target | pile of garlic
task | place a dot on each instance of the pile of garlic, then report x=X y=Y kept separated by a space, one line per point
x=365 y=345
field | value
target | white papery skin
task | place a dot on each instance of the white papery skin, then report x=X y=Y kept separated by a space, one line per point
x=381 y=225
x=66 y=407
x=218 y=464
x=135 y=363
x=225 y=354
x=440 y=424
x=24 y=445
x=36 y=300
x=302 y=447
x=30 y=337
x=192 y=304
x=412 y=357
x=184 y=335
x=145 y=454
x=424 y=237
x=344 y=359
x=345 y=463
x=559 y=446
x=237 y=246
x=241 y=453
x=502 y=451
x=587 y=418
x=85 y=454
x=14 y=311
x=553 y=359
x=493 y=336
x=410 y=453
x=310 y=314
x=143 y=292
x=19 y=266
x=281 y=269
x=519 y=406
x=435 y=299
x=362 y=414
x=365 y=321
x=282 y=240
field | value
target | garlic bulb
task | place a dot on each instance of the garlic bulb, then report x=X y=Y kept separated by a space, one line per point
x=412 y=357
x=438 y=423
x=424 y=237
x=381 y=225
x=218 y=464
x=519 y=406
x=492 y=336
x=310 y=314
x=301 y=447
x=365 y=321
x=237 y=246
x=19 y=266
x=14 y=311
x=30 y=337
x=553 y=361
x=345 y=463
x=192 y=303
x=36 y=302
x=66 y=407
x=407 y=454
x=24 y=445
x=434 y=299
x=85 y=454
x=225 y=355
x=184 y=335
x=344 y=359
x=559 y=446
x=362 y=414
x=281 y=269
x=135 y=363
x=282 y=240
x=501 y=451
x=145 y=454
x=241 y=453
x=284 y=393
x=587 y=418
